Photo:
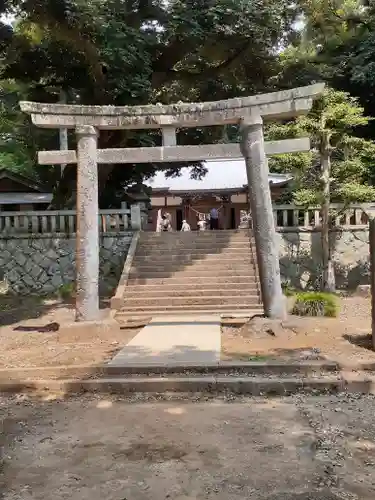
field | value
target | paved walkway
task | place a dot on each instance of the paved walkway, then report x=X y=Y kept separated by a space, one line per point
x=174 y=339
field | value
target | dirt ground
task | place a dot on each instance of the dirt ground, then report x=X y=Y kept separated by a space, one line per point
x=90 y=448
x=345 y=339
x=22 y=345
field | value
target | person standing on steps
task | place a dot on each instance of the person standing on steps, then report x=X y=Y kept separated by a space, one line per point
x=202 y=226
x=167 y=225
x=185 y=226
x=214 y=219
x=159 y=222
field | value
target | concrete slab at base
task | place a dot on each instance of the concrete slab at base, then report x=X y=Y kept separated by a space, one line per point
x=174 y=339
x=86 y=331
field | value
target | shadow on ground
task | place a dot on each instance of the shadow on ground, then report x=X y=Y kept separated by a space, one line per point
x=363 y=341
x=14 y=309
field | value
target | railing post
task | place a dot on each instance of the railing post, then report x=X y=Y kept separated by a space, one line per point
x=135 y=217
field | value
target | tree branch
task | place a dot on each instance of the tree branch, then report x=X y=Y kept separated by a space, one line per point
x=163 y=76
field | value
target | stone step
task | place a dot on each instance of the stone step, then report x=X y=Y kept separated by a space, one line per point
x=127 y=316
x=199 y=265
x=191 y=257
x=189 y=290
x=174 y=389
x=179 y=266
x=202 y=272
x=130 y=370
x=210 y=272
x=151 y=250
x=183 y=368
x=178 y=388
x=198 y=300
x=197 y=241
x=212 y=280
x=204 y=242
x=197 y=234
x=193 y=309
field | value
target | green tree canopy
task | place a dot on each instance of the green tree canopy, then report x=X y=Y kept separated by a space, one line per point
x=336 y=43
x=340 y=117
x=126 y=52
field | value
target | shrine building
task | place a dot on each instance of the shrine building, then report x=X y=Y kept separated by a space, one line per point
x=224 y=187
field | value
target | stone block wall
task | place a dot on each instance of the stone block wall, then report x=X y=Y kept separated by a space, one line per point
x=42 y=264
x=301 y=257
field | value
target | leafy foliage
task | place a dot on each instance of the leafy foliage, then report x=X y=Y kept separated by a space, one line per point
x=19 y=139
x=126 y=52
x=339 y=116
x=315 y=304
x=336 y=43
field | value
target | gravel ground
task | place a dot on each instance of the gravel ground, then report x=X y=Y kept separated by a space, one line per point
x=298 y=448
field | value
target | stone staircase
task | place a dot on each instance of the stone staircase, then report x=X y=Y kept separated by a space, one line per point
x=192 y=273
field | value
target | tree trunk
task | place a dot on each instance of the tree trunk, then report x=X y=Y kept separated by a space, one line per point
x=328 y=278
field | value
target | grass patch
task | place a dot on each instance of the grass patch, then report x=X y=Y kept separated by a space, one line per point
x=316 y=304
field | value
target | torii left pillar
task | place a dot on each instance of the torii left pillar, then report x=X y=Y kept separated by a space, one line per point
x=87 y=253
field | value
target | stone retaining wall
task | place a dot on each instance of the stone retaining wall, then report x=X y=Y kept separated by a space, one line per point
x=301 y=257
x=44 y=263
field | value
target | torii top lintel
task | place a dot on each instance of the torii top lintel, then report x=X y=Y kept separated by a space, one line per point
x=277 y=105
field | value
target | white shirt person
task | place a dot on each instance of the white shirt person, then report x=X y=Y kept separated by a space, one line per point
x=185 y=226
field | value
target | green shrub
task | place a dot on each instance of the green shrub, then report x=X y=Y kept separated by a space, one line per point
x=316 y=304
x=67 y=291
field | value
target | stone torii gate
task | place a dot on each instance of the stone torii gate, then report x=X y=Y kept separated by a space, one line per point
x=250 y=112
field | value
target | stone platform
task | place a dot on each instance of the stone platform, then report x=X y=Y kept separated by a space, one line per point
x=174 y=339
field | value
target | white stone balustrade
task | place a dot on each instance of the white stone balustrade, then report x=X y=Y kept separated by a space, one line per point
x=291 y=216
x=65 y=221
x=117 y=221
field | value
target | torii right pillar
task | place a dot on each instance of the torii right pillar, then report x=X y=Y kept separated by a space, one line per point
x=252 y=148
